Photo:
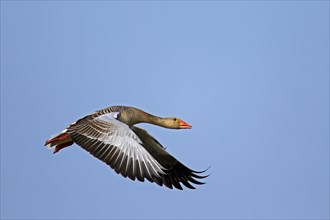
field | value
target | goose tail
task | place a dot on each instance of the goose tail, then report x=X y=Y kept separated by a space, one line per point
x=59 y=141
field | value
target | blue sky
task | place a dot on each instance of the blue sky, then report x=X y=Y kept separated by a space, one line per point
x=252 y=77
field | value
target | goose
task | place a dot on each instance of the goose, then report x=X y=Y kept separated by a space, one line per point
x=110 y=136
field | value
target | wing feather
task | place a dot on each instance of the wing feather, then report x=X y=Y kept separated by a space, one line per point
x=114 y=143
x=176 y=172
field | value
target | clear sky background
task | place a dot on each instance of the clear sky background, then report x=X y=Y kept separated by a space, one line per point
x=252 y=77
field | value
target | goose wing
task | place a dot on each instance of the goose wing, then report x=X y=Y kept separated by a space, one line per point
x=114 y=143
x=175 y=171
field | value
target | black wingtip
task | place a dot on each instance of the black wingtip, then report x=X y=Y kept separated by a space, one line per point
x=203 y=171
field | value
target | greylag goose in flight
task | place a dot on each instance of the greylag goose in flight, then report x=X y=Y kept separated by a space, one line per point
x=110 y=135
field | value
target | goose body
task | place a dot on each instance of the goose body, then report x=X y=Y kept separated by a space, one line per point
x=110 y=135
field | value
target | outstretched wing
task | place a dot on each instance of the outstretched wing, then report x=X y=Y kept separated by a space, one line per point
x=117 y=145
x=175 y=172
